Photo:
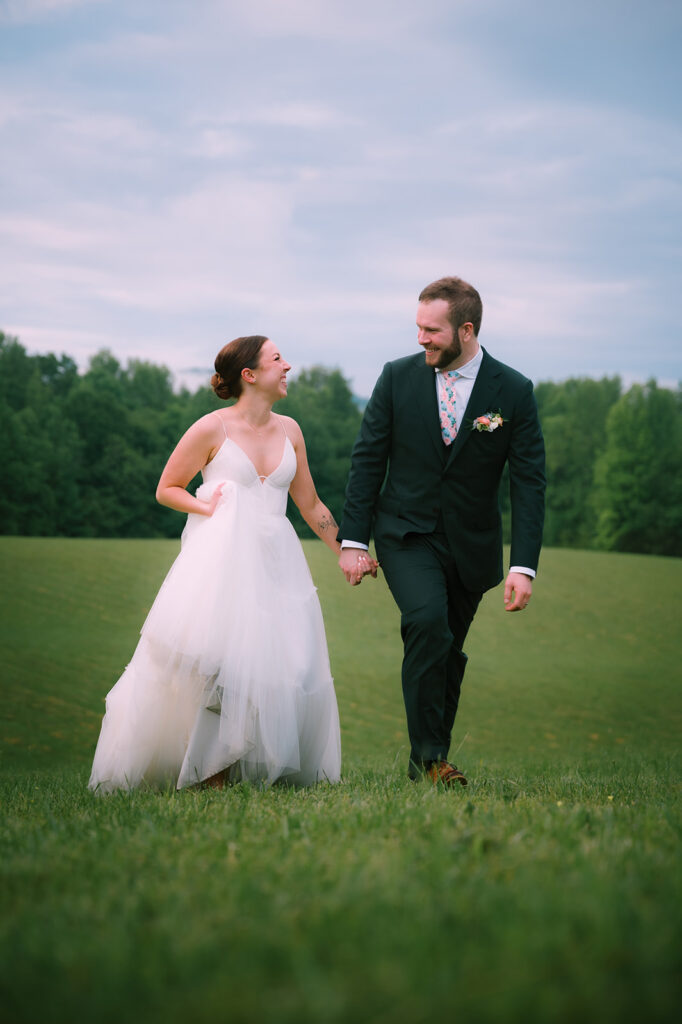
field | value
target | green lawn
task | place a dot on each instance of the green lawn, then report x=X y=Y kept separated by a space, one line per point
x=548 y=891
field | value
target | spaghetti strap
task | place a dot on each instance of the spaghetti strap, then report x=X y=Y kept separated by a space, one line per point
x=281 y=423
x=217 y=413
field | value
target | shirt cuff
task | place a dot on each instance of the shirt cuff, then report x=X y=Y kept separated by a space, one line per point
x=520 y=568
x=354 y=544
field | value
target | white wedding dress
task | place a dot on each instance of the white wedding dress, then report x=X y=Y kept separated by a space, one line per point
x=232 y=669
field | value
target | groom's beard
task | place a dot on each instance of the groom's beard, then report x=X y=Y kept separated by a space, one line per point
x=448 y=355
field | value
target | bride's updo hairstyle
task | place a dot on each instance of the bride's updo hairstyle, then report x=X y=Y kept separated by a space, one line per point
x=231 y=360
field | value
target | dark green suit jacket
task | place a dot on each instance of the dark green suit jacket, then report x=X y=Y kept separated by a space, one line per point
x=403 y=478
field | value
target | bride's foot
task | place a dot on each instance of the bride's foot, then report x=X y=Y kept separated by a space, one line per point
x=217 y=781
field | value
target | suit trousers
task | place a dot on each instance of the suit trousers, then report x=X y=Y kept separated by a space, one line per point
x=436 y=611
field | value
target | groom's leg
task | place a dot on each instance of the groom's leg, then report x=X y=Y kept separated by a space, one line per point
x=462 y=605
x=416 y=572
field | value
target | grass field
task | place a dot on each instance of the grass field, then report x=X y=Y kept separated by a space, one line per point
x=549 y=890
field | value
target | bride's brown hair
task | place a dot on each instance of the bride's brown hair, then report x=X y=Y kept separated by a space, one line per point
x=231 y=360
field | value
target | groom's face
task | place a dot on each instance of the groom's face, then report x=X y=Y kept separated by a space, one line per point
x=436 y=334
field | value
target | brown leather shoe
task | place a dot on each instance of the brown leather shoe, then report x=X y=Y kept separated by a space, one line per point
x=442 y=773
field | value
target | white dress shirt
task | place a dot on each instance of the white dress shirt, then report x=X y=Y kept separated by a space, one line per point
x=464 y=385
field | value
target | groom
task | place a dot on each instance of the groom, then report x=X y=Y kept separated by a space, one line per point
x=424 y=478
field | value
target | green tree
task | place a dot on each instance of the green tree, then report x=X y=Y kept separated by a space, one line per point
x=16 y=368
x=15 y=452
x=58 y=374
x=639 y=475
x=41 y=449
x=83 y=453
x=147 y=386
x=573 y=416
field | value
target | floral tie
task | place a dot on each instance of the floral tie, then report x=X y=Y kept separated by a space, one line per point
x=448 y=419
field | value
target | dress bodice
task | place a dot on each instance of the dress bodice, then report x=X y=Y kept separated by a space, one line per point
x=231 y=463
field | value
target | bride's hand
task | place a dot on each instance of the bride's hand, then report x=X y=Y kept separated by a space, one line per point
x=212 y=503
x=370 y=566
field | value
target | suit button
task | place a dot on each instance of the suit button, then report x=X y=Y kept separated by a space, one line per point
x=435 y=510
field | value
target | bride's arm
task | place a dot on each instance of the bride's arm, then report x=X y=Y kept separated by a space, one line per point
x=315 y=512
x=303 y=493
x=193 y=451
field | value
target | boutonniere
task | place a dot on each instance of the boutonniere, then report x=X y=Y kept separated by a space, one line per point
x=489 y=421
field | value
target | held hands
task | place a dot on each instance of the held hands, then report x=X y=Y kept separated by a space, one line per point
x=356 y=563
x=520 y=586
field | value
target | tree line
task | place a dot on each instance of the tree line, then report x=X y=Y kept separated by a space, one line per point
x=83 y=452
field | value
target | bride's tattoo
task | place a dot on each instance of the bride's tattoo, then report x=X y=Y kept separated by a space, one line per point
x=328 y=523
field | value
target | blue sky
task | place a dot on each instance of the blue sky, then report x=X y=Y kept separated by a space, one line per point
x=175 y=174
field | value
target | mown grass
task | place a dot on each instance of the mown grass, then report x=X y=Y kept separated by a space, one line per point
x=549 y=890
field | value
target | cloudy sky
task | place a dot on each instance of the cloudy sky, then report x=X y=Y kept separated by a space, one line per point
x=176 y=173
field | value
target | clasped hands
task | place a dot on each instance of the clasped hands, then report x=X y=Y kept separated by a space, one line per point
x=356 y=563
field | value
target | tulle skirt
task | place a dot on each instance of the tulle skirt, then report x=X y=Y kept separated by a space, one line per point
x=231 y=671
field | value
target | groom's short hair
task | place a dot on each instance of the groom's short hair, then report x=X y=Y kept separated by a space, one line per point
x=462 y=298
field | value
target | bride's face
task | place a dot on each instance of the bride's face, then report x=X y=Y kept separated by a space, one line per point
x=271 y=373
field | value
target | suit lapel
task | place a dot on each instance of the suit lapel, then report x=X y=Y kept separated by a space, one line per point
x=483 y=394
x=424 y=384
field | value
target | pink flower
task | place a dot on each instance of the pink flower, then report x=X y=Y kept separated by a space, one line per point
x=488 y=422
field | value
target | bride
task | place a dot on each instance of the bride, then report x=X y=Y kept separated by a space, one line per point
x=231 y=678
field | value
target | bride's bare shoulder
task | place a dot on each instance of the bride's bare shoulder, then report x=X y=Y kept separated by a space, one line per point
x=291 y=427
x=206 y=428
x=207 y=422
